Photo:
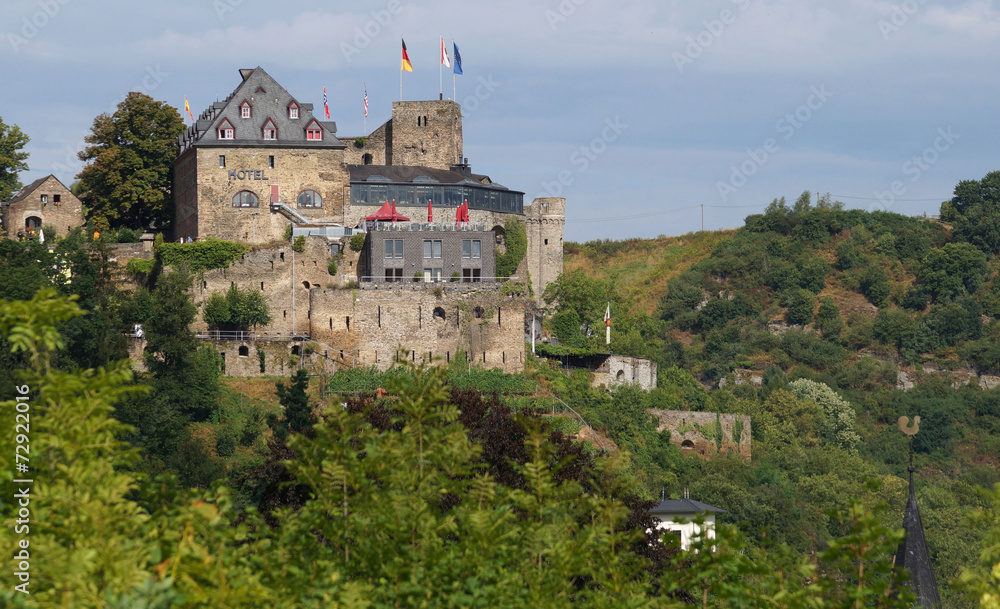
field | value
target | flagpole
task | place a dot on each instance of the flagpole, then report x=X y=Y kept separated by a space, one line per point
x=441 y=70
x=364 y=123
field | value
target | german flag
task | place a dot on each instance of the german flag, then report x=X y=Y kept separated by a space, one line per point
x=407 y=66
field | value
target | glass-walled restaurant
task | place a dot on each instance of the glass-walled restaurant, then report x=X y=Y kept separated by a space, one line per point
x=415 y=194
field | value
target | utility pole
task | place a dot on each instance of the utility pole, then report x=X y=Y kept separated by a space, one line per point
x=702 y=216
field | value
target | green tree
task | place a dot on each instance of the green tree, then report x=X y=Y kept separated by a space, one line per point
x=839 y=419
x=952 y=270
x=13 y=159
x=974 y=212
x=799 y=305
x=129 y=154
x=828 y=318
x=293 y=398
x=239 y=309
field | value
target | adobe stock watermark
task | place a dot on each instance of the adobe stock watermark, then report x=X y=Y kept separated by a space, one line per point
x=373 y=27
x=788 y=126
x=483 y=91
x=582 y=157
x=916 y=167
x=32 y=25
x=898 y=16
x=150 y=81
x=714 y=28
x=563 y=11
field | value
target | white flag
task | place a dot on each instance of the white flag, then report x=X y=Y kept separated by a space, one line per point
x=445 y=61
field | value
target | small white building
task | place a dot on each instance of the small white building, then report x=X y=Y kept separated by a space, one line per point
x=677 y=517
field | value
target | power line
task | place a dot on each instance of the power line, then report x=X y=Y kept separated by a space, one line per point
x=876 y=199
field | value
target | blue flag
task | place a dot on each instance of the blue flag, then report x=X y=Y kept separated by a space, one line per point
x=458 y=60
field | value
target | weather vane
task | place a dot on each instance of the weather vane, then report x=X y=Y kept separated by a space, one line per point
x=910 y=430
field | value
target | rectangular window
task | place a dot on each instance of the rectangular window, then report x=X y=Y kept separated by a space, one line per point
x=45 y=198
x=477 y=248
x=270 y=134
x=472 y=275
x=245 y=111
x=293 y=112
x=225 y=134
x=56 y=198
x=466 y=248
x=270 y=161
x=393 y=276
x=432 y=275
x=427 y=248
x=437 y=248
x=432 y=249
x=222 y=161
x=393 y=248
x=314 y=134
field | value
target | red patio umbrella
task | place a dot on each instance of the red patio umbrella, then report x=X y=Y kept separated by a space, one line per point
x=430 y=212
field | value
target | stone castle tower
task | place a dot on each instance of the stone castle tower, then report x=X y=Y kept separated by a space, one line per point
x=420 y=133
x=545 y=219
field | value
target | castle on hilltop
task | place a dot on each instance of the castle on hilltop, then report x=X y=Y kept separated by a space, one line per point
x=424 y=283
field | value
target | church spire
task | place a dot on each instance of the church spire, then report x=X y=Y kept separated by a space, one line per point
x=912 y=553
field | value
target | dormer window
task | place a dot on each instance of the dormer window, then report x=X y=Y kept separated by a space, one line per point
x=245 y=110
x=314 y=131
x=293 y=110
x=226 y=131
x=270 y=130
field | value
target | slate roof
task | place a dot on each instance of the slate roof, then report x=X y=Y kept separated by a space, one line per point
x=268 y=100
x=913 y=555
x=683 y=506
x=30 y=188
x=407 y=173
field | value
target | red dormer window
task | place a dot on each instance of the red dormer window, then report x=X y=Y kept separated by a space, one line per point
x=293 y=110
x=270 y=130
x=314 y=131
x=226 y=131
x=245 y=109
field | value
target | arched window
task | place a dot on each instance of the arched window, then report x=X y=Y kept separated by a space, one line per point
x=687 y=444
x=310 y=198
x=245 y=198
x=33 y=222
x=244 y=351
x=366 y=158
x=438 y=313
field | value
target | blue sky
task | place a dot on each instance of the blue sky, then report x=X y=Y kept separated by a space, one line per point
x=642 y=114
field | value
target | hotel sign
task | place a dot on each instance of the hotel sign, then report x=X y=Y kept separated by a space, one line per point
x=247 y=174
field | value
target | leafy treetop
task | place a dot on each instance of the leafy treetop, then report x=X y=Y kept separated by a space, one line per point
x=12 y=159
x=127 y=178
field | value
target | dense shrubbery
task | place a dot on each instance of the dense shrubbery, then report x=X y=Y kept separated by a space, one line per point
x=516 y=239
x=202 y=255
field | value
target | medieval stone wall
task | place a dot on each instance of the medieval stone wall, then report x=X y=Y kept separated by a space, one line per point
x=378 y=144
x=421 y=323
x=620 y=370
x=707 y=434
x=64 y=216
x=248 y=169
x=270 y=270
